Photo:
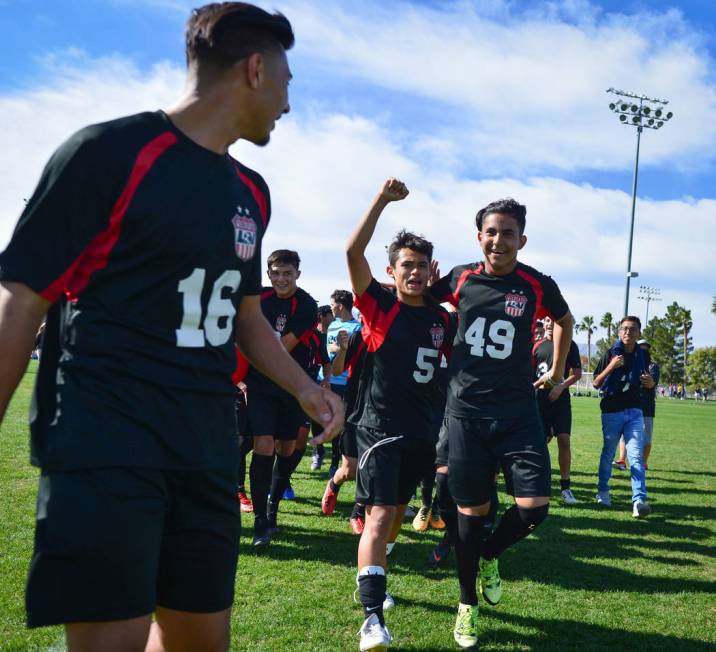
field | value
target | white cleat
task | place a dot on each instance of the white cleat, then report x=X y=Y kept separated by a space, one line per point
x=374 y=636
x=388 y=603
x=568 y=497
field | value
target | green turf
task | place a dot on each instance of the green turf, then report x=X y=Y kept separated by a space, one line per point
x=589 y=579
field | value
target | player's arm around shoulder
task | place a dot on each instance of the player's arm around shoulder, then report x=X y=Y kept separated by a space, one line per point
x=21 y=313
x=358 y=267
x=258 y=341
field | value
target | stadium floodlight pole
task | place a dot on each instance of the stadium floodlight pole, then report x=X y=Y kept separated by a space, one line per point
x=648 y=294
x=650 y=114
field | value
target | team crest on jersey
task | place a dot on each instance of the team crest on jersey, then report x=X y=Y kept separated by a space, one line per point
x=244 y=234
x=280 y=323
x=438 y=335
x=515 y=303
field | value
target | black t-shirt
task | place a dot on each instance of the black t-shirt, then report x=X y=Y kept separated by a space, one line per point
x=628 y=394
x=296 y=315
x=404 y=344
x=491 y=364
x=543 y=357
x=317 y=353
x=145 y=243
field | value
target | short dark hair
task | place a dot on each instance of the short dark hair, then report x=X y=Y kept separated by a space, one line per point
x=283 y=257
x=344 y=297
x=636 y=320
x=504 y=207
x=221 y=33
x=407 y=240
x=324 y=310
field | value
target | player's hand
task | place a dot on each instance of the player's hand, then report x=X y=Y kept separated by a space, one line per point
x=555 y=392
x=647 y=382
x=342 y=339
x=394 y=190
x=434 y=272
x=616 y=362
x=541 y=382
x=326 y=383
x=324 y=407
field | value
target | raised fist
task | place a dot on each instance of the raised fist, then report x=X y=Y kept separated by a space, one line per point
x=394 y=190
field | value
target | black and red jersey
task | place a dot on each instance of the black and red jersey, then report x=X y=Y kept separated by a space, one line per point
x=317 y=353
x=491 y=364
x=296 y=315
x=403 y=345
x=353 y=365
x=145 y=244
x=542 y=359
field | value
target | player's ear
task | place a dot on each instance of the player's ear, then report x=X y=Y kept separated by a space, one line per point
x=479 y=236
x=298 y=273
x=389 y=271
x=523 y=241
x=255 y=69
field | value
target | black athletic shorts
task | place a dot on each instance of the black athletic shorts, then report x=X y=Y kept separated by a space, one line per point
x=441 y=448
x=388 y=473
x=277 y=415
x=479 y=446
x=349 y=445
x=556 y=416
x=113 y=543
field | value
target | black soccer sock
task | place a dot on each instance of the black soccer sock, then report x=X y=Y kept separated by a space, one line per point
x=245 y=445
x=335 y=488
x=358 y=511
x=296 y=458
x=489 y=520
x=564 y=484
x=320 y=450
x=372 y=583
x=516 y=523
x=279 y=480
x=427 y=485
x=467 y=551
x=335 y=453
x=448 y=510
x=260 y=476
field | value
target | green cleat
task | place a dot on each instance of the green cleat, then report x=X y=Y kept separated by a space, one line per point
x=490 y=583
x=465 y=632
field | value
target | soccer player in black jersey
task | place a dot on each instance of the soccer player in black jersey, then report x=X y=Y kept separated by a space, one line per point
x=142 y=244
x=404 y=335
x=491 y=412
x=274 y=415
x=554 y=404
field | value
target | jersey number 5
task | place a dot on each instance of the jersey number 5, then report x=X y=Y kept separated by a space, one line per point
x=426 y=366
x=501 y=334
x=218 y=313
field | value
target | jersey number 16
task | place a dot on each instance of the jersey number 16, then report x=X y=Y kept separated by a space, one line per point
x=218 y=313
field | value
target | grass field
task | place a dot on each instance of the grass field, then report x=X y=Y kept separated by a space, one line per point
x=589 y=579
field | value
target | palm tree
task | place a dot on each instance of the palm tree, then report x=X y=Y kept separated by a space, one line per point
x=713 y=306
x=587 y=326
x=608 y=323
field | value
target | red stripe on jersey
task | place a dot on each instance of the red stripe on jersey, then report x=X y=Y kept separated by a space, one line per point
x=267 y=294
x=242 y=367
x=351 y=364
x=539 y=293
x=258 y=195
x=374 y=333
x=294 y=305
x=305 y=339
x=454 y=299
x=96 y=254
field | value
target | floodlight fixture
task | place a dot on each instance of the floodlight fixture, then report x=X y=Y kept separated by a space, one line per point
x=640 y=114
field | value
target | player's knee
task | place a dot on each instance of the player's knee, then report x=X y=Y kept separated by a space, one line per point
x=532 y=517
x=264 y=445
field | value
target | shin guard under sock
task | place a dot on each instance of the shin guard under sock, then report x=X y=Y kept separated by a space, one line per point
x=448 y=509
x=516 y=523
x=467 y=551
x=372 y=583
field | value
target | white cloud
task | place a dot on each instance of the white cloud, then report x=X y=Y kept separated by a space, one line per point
x=523 y=92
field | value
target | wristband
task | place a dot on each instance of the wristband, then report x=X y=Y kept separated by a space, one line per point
x=551 y=382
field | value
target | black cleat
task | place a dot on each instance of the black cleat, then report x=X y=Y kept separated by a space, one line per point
x=262 y=534
x=439 y=554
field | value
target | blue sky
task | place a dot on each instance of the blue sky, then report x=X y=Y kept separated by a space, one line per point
x=466 y=100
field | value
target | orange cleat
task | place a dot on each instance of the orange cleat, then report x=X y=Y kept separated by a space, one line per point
x=357 y=524
x=329 y=500
x=245 y=502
